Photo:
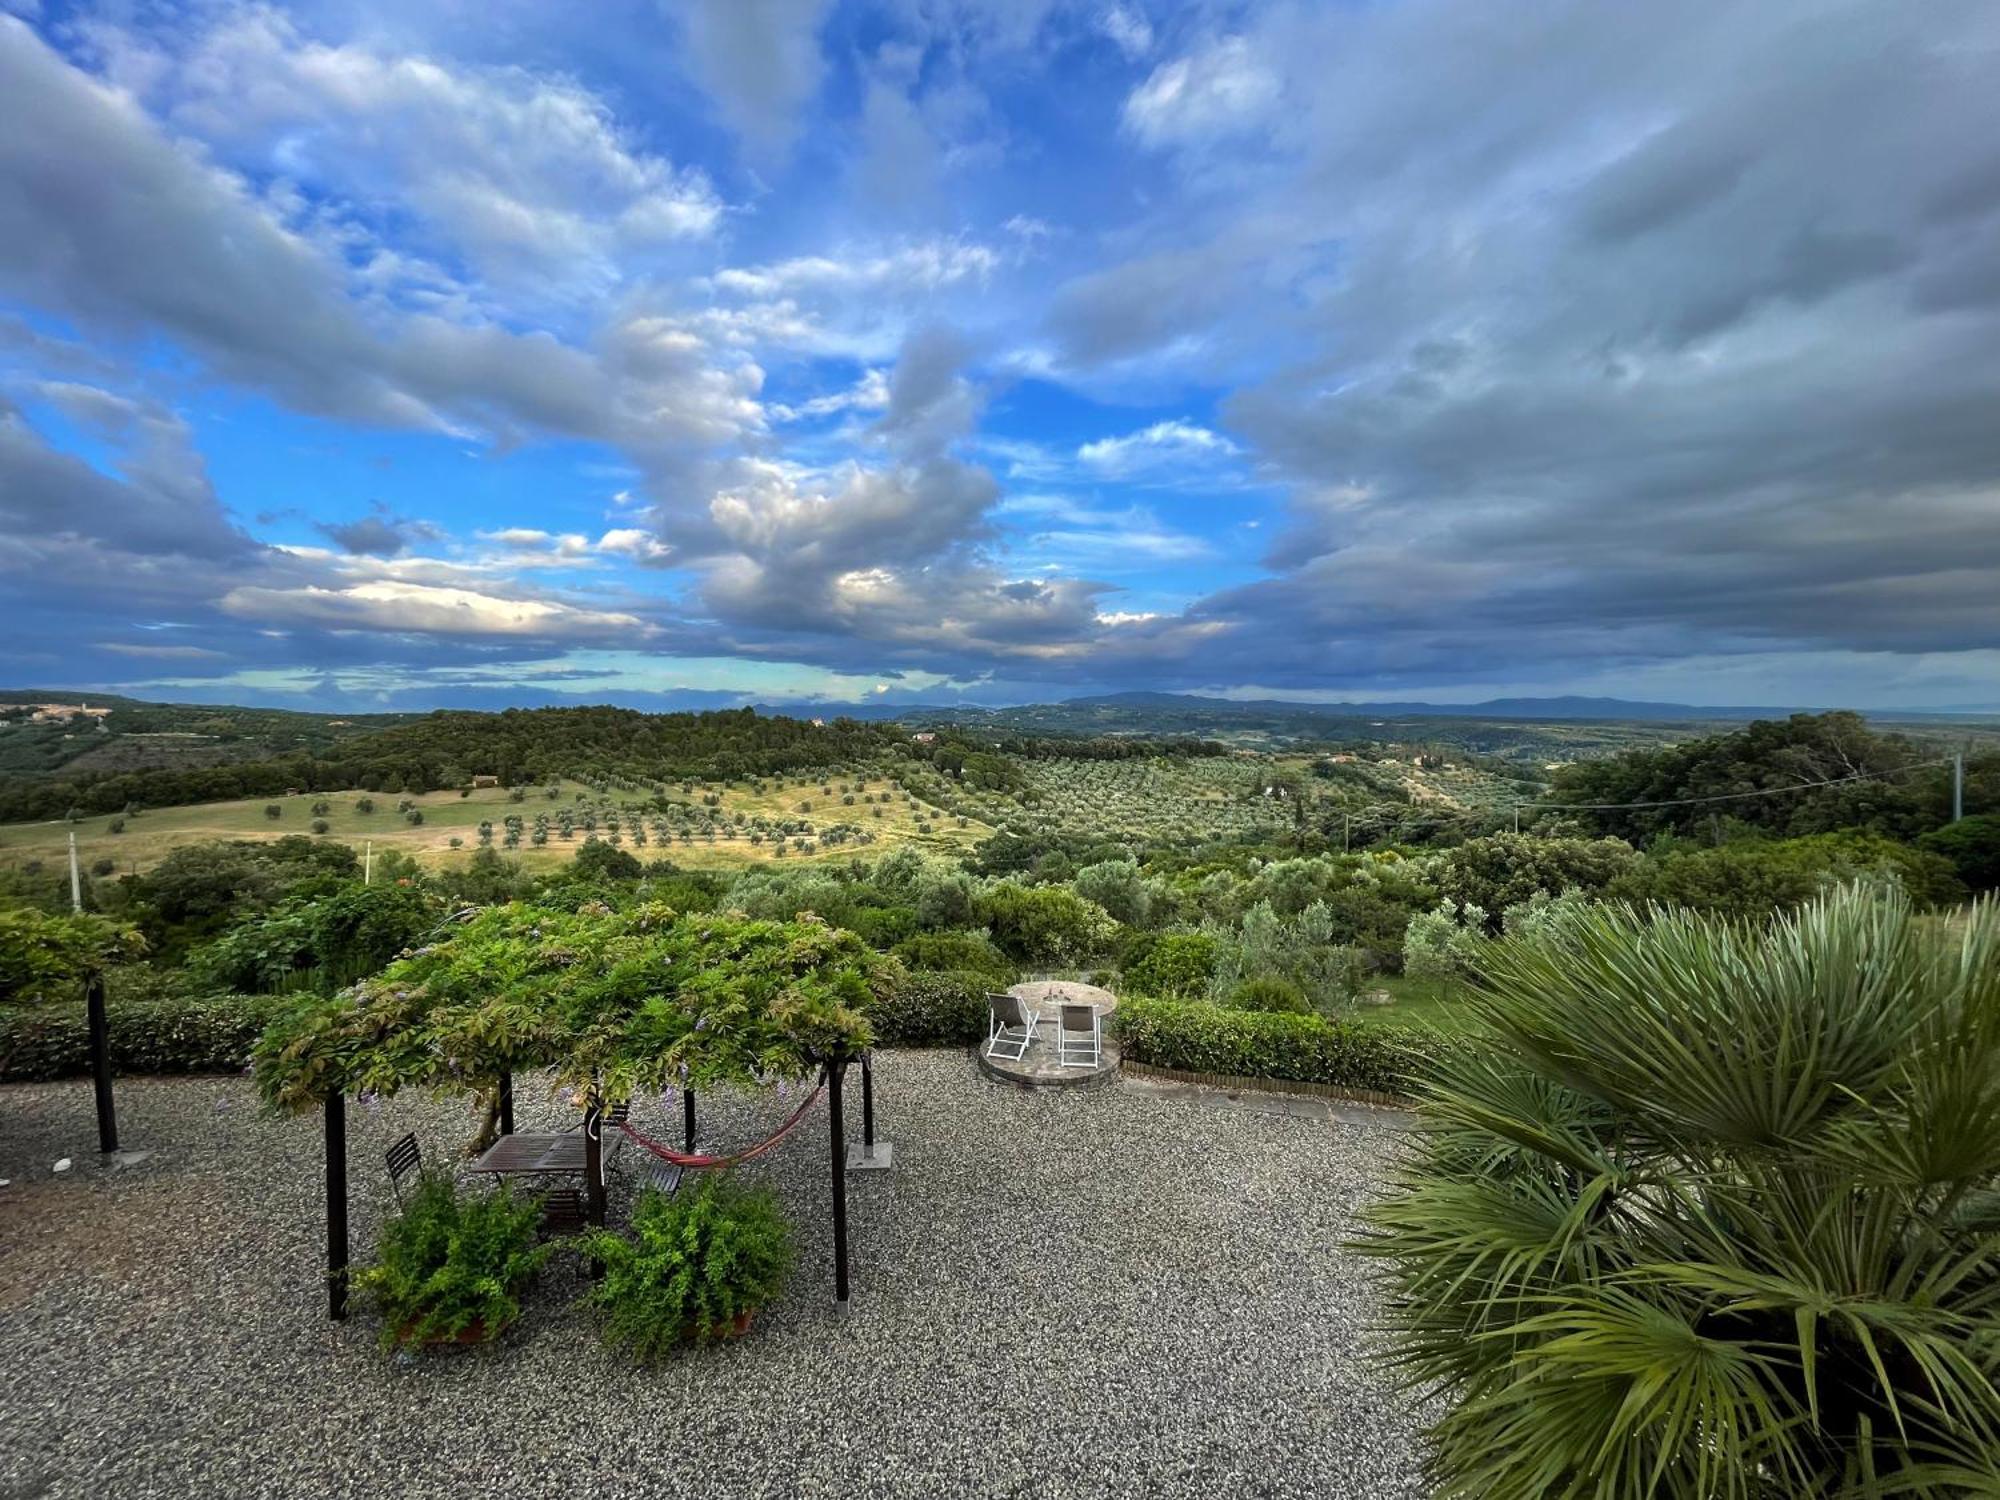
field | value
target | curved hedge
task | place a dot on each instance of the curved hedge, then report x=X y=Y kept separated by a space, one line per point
x=1197 y=1037
x=171 y=1034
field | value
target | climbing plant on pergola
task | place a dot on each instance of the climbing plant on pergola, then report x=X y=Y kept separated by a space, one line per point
x=614 y=1002
x=49 y=958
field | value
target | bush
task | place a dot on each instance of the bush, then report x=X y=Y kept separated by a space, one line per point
x=453 y=1263
x=1175 y=965
x=697 y=1261
x=1201 y=1038
x=1508 y=868
x=971 y=952
x=1298 y=949
x=44 y=957
x=945 y=1008
x=1267 y=992
x=320 y=825
x=163 y=1034
x=1973 y=847
x=1446 y=943
x=273 y=811
x=1756 y=879
x=1712 y=1210
x=1045 y=924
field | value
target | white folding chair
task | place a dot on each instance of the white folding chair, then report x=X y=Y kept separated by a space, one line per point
x=1079 y=1037
x=1013 y=1027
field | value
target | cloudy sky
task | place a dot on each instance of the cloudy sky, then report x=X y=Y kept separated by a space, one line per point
x=675 y=351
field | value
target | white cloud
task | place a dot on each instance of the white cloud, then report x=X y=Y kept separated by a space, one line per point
x=528 y=176
x=1164 y=450
x=1127 y=29
x=640 y=546
x=1222 y=90
x=386 y=605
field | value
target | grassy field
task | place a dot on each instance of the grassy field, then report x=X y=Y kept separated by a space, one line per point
x=148 y=836
x=1416 y=1002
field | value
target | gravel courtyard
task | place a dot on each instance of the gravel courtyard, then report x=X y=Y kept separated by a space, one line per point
x=1110 y=1291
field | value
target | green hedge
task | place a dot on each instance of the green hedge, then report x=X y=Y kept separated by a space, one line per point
x=1197 y=1037
x=172 y=1034
x=933 y=1008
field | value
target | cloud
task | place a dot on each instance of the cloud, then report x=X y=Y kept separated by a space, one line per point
x=153 y=238
x=759 y=60
x=1223 y=89
x=423 y=609
x=1166 y=450
x=525 y=176
x=1128 y=30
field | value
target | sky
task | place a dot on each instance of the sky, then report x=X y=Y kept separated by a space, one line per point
x=486 y=352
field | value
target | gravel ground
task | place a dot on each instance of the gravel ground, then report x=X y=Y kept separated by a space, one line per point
x=1166 y=1311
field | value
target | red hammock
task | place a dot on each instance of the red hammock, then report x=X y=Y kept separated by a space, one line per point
x=691 y=1159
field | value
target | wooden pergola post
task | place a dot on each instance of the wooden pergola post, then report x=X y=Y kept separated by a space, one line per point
x=336 y=1206
x=506 y=1103
x=837 y=1141
x=687 y=1119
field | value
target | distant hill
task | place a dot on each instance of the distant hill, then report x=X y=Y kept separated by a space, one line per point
x=1540 y=709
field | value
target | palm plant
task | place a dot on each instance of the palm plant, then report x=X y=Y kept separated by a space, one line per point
x=1718 y=1212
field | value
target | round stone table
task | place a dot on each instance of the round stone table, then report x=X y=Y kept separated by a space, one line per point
x=1047 y=994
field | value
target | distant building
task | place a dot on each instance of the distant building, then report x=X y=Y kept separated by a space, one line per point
x=63 y=713
x=479 y=781
x=923 y=739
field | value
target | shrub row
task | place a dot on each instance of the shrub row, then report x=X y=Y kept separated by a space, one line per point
x=933 y=1008
x=170 y=1034
x=1197 y=1037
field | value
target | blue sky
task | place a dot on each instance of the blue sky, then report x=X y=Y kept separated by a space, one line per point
x=738 y=350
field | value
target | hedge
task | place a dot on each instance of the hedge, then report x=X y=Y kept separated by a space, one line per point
x=1197 y=1037
x=171 y=1034
x=933 y=1008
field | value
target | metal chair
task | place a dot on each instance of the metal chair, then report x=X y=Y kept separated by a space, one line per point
x=663 y=1177
x=404 y=1158
x=1079 y=1037
x=564 y=1211
x=1013 y=1027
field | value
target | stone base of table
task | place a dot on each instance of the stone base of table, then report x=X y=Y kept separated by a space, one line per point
x=858 y=1159
x=1039 y=1069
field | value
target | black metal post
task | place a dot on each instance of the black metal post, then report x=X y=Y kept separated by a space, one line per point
x=839 y=1154
x=336 y=1206
x=687 y=1118
x=100 y=1064
x=593 y=1160
x=867 y=1104
x=506 y=1103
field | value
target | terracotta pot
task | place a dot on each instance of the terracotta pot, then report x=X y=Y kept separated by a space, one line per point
x=739 y=1326
x=473 y=1333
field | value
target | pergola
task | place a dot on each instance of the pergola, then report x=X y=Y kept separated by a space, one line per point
x=614 y=1003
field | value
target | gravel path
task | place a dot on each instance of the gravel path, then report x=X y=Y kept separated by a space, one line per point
x=1169 y=1316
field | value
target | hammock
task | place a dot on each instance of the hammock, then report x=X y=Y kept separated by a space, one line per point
x=693 y=1159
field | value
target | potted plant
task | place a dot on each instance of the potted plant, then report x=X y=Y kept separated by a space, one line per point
x=696 y=1267
x=450 y=1266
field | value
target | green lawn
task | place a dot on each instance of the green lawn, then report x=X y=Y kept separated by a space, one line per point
x=1417 y=1002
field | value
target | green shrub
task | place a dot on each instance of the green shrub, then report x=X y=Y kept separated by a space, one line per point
x=1044 y=924
x=1758 y=878
x=157 y=1034
x=968 y=952
x=1508 y=868
x=1714 y=1210
x=696 y=1262
x=452 y=1263
x=1201 y=1038
x=44 y=957
x=1267 y=992
x=1973 y=847
x=1176 y=965
x=933 y=1008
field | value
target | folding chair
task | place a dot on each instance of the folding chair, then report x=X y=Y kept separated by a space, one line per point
x=1013 y=1027
x=404 y=1158
x=1079 y=1037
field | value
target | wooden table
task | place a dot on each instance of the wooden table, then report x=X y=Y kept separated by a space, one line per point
x=529 y=1153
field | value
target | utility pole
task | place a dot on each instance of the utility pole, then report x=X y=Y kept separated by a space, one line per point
x=1346 y=830
x=75 y=879
x=1517 y=817
x=367 y=861
x=1957 y=800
